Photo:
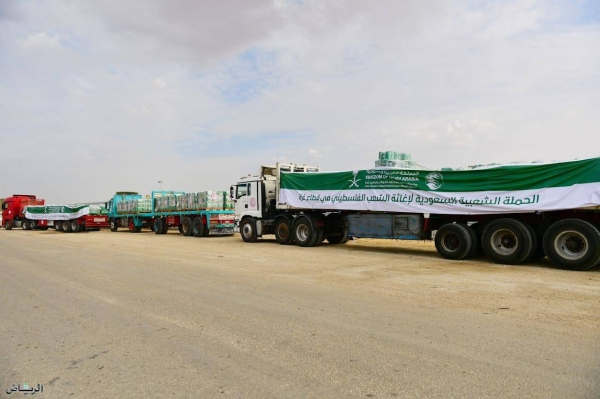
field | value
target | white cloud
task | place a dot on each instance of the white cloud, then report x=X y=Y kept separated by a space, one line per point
x=174 y=88
x=40 y=41
x=160 y=83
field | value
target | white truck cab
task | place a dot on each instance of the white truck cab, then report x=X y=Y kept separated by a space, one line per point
x=256 y=197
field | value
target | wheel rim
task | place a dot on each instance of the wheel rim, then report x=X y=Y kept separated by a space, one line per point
x=302 y=232
x=247 y=230
x=451 y=242
x=571 y=245
x=74 y=225
x=283 y=231
x=504 y=242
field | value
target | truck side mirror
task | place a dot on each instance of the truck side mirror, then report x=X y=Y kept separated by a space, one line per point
x=231 y=192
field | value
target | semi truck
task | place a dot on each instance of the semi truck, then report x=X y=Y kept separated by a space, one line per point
x=511 y=213
x=69 y=218
x=194 y=214
x=13 y=212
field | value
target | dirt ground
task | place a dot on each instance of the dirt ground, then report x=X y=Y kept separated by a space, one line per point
x=412 y=270
x=116 y=314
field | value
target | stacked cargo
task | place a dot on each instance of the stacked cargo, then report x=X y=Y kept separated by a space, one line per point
x=214 y=199
x=204 y=200
x=143 y=205
x=395 y=160
x=134 y=206
x=98 y=210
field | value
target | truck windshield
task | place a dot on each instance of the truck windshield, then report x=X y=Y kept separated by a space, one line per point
x=242 y=190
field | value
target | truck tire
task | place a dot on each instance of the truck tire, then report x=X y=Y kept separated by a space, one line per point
x=114 y=226
x=32 y=225
x=537 y=250
x=304 y=233
x=165 y=228
x=58 y=225
x=475 y=242
x=248 y=230
x=25 y=225
x=335 y=228
x=283 y=231
x=74 y=226
x=158 y=226
x=320 y=238
x=573 y=244
x=206 y=231
x=197 y=227
x=132 y=227
x=66 y=226
x=8 y=225
x=338 y=238
x=507 y=241
x=186 y=226
x=453 y=241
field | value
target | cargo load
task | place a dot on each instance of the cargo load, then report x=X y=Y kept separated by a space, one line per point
x=502 y=189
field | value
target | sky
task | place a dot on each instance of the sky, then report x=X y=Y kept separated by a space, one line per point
x=105 y=96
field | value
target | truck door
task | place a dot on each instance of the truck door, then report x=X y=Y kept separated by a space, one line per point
x=247 y=199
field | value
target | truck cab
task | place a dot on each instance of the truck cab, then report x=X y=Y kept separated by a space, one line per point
x=112 y=206
x=13 y=212
x=256 y=197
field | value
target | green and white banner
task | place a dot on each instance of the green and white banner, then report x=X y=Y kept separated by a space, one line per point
x=503 y=189
x=56 y=212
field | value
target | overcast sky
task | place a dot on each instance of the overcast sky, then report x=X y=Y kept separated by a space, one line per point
x=100 y=96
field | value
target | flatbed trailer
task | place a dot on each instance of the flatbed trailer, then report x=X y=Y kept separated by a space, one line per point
x=192 y=222
x=67 y=218
x=512 y=213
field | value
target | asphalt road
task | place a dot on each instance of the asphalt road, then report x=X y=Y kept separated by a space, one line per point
x=106 y=315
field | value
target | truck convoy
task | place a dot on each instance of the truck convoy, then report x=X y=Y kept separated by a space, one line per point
x=29 y=213
x=513 y=213
x=194 y=214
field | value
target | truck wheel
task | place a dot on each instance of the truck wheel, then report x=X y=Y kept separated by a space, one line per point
x=158 y=226
x=25 y=225
x=573 y=244
x=66 y=226
x=475 y=245
x=113 y=225
x=453 y=241
x=58 y=225
x=320 y=238
x=197 y=227
x=74 y=226
x=8 y=225
x=283 y=231
x=507 y=241
x=248 y=230
x=338 y=238
x=537 y=247
x=132 y=227
x=165 y=228
x=32 y=224
x=186 y=227
x=335 y=228
x=206 y=231
x=304 y=233
x=137 y=229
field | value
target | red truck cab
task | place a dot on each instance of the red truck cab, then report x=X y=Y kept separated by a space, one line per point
x=13 y=212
